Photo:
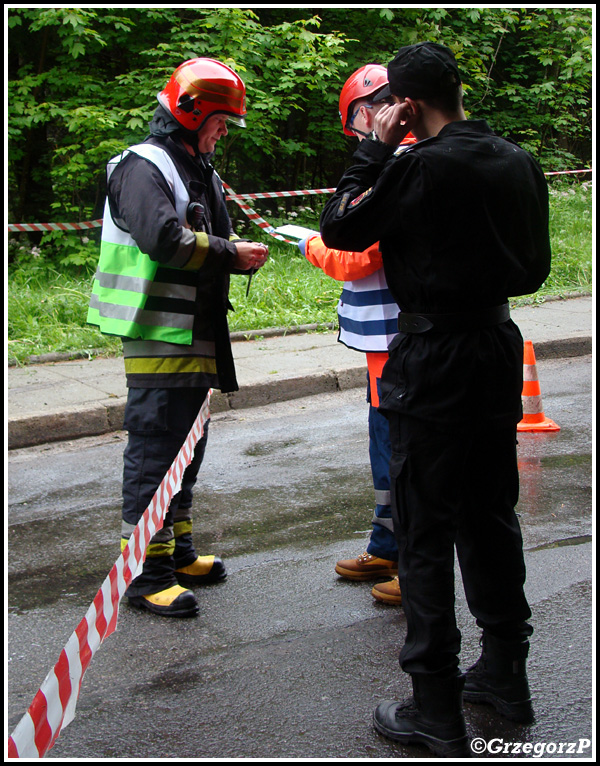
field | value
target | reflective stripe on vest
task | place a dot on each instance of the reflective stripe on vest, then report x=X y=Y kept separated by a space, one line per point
x=134 y=296
x=148 y=357
x=367 y=314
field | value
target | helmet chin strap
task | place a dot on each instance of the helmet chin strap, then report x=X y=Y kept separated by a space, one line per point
x=360 y=132
x=350 y=126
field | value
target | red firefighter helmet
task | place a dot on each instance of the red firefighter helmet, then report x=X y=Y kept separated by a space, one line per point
x=201 y=87
x=365 y=82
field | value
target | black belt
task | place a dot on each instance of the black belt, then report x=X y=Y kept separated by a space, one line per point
x=417 y=323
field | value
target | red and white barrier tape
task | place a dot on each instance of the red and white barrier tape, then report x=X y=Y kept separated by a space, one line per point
x=237 y=198
x=276 y=195
x=53 y=707
x=253 y=215
x=55 y=226
x=565 y=172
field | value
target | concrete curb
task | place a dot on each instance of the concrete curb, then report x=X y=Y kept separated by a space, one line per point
x=107 y=415
x=563 y=348
x=240 y=335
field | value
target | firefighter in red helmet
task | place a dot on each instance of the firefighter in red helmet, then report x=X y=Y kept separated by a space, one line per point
x=360 y=87
x=367 y=316
x=162 y=284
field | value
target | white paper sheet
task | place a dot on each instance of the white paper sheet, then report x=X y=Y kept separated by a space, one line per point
x=300 y=232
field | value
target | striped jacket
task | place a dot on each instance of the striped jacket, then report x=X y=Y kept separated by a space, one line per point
x=366 y=310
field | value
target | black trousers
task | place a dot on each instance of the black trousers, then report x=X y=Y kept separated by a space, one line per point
x=158 y=421
x=455 y=488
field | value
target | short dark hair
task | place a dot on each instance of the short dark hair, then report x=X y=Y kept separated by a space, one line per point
x=449 y=97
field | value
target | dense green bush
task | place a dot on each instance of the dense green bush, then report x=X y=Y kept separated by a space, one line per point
x=82 y=85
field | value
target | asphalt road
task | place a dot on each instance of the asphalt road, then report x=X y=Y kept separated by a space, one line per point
x=285 y=660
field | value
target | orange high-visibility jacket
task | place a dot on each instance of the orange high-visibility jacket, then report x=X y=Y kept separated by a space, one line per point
x=367 y=312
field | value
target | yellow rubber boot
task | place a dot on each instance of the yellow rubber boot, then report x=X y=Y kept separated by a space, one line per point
x=172 y=602
x=203 y=571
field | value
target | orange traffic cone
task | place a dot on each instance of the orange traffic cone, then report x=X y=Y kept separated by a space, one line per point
x=533 y=414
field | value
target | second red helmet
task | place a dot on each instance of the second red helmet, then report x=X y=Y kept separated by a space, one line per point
x=364 y=83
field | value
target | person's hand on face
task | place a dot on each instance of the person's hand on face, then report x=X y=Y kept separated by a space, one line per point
x=393 y=122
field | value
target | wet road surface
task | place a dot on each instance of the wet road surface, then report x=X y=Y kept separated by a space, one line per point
x=285 y=660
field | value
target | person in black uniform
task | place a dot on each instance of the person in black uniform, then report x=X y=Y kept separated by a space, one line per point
x=462 y=220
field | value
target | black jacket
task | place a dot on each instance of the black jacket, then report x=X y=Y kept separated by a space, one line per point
x=462 y=221
x=462 y=218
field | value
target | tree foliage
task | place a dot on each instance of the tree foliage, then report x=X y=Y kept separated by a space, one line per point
x=82 y=85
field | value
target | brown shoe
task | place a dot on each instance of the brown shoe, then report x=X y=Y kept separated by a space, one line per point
x=388 y=592
x=366 y=567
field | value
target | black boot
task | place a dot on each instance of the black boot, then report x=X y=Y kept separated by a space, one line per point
x=499 y=678
x=433 y=717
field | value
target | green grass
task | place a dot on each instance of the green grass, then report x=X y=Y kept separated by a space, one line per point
x=571 y=238
x=47 y=312
x=47 y=307
x=287 y=291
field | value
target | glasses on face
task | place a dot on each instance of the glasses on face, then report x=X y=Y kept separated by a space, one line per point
x=378 y=105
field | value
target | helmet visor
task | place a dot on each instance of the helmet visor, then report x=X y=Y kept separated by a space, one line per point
x=236 y=119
